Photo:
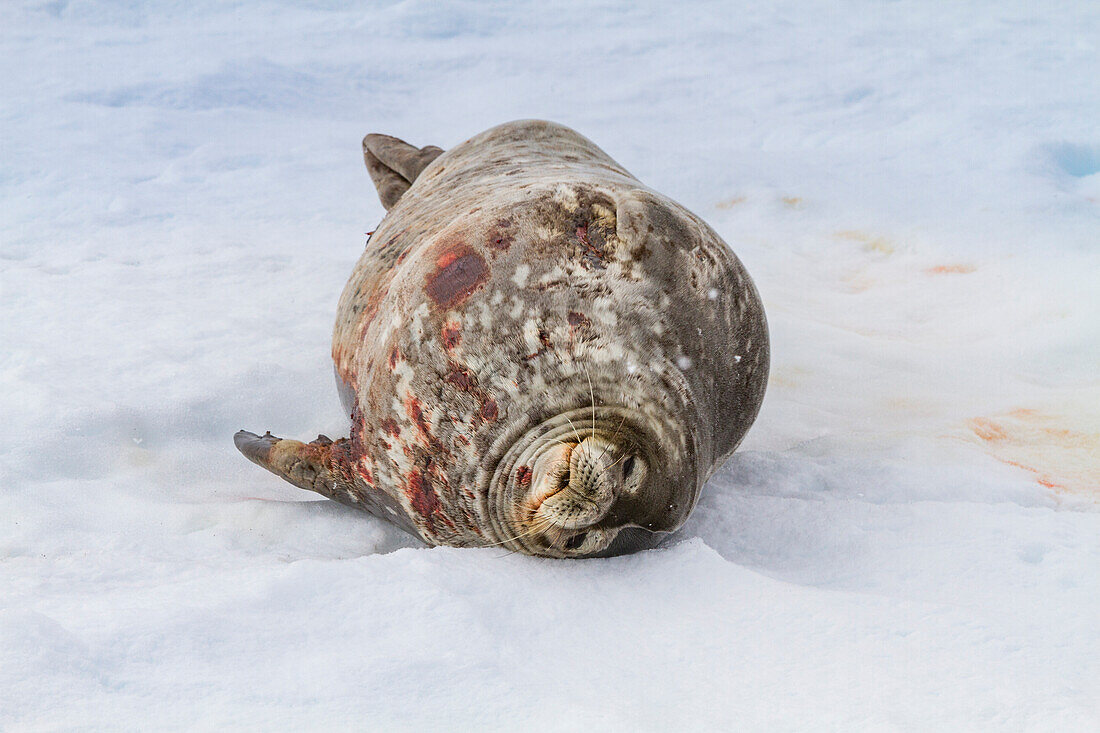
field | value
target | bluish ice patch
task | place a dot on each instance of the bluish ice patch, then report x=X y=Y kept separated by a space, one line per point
x=254 y=84
x=1075 y=159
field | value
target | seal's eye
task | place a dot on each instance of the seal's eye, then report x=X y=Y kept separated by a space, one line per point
x=628 y=467
x=575 y=541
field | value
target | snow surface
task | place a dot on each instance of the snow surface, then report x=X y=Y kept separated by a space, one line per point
x=909 y=538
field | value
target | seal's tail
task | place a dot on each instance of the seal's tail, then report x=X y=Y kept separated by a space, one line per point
x=394 y=165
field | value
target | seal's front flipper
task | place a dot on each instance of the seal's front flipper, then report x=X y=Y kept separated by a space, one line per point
x=306 y=465
x=394 y=165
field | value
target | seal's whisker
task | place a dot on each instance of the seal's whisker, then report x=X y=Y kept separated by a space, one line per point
x=612 y=443
x=539 y=526
x=575 y=432
x=592 y=395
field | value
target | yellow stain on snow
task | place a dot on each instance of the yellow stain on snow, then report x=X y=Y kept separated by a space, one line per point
x=871 y=242
x=858 y=282
x=786 y=376
x=955 y=269
x=730 y=203
x=1062 y=454
x=792 y=202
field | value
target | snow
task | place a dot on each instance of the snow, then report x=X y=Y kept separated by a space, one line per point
x=908 y=539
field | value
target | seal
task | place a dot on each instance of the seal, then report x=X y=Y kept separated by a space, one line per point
x=536 y=351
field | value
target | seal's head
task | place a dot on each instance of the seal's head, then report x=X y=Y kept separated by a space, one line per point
x=599 y=479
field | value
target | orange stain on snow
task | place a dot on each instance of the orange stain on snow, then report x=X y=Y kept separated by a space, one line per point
x=1061 y=455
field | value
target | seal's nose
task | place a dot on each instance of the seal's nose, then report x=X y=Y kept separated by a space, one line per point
x=591 y=470
x=575 y=484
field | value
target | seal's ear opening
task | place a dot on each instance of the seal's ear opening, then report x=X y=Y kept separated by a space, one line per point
x=393 y=165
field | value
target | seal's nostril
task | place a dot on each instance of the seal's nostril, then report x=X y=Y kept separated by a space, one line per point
x=575 y=541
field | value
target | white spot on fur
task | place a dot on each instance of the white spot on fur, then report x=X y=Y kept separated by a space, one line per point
x=531 y=335
x=612 y=351
x=519 y=277
x=604 y=311
x=416 y=323
x=517 y=309
x=684 y=362
x=712 y=294
x=566 y=196
x=554 y=273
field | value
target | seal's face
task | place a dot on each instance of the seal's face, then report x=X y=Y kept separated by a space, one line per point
x=574 y=483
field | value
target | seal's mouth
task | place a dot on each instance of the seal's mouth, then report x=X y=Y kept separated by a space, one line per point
x=570 y=486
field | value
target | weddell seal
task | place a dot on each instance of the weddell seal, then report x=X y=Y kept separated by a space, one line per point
x=536 y=351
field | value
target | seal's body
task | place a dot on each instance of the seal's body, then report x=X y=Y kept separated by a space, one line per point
x=536 y=351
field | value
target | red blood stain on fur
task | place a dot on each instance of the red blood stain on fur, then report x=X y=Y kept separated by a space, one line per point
x=523 y=476
x=576 y=319
x=420 y=495
x=593 y=255
x=452 y=334
x=459 y=272
x=349 y=451
x=390 y=426
x=404 y=253
x=460 y=378
x=394 y=356
x=489 y=409
x=416 y=414
x=501 y=242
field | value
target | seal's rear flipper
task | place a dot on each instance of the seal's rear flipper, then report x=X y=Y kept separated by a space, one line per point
x=323 y=466
x=394 y=165
x=306 y=465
